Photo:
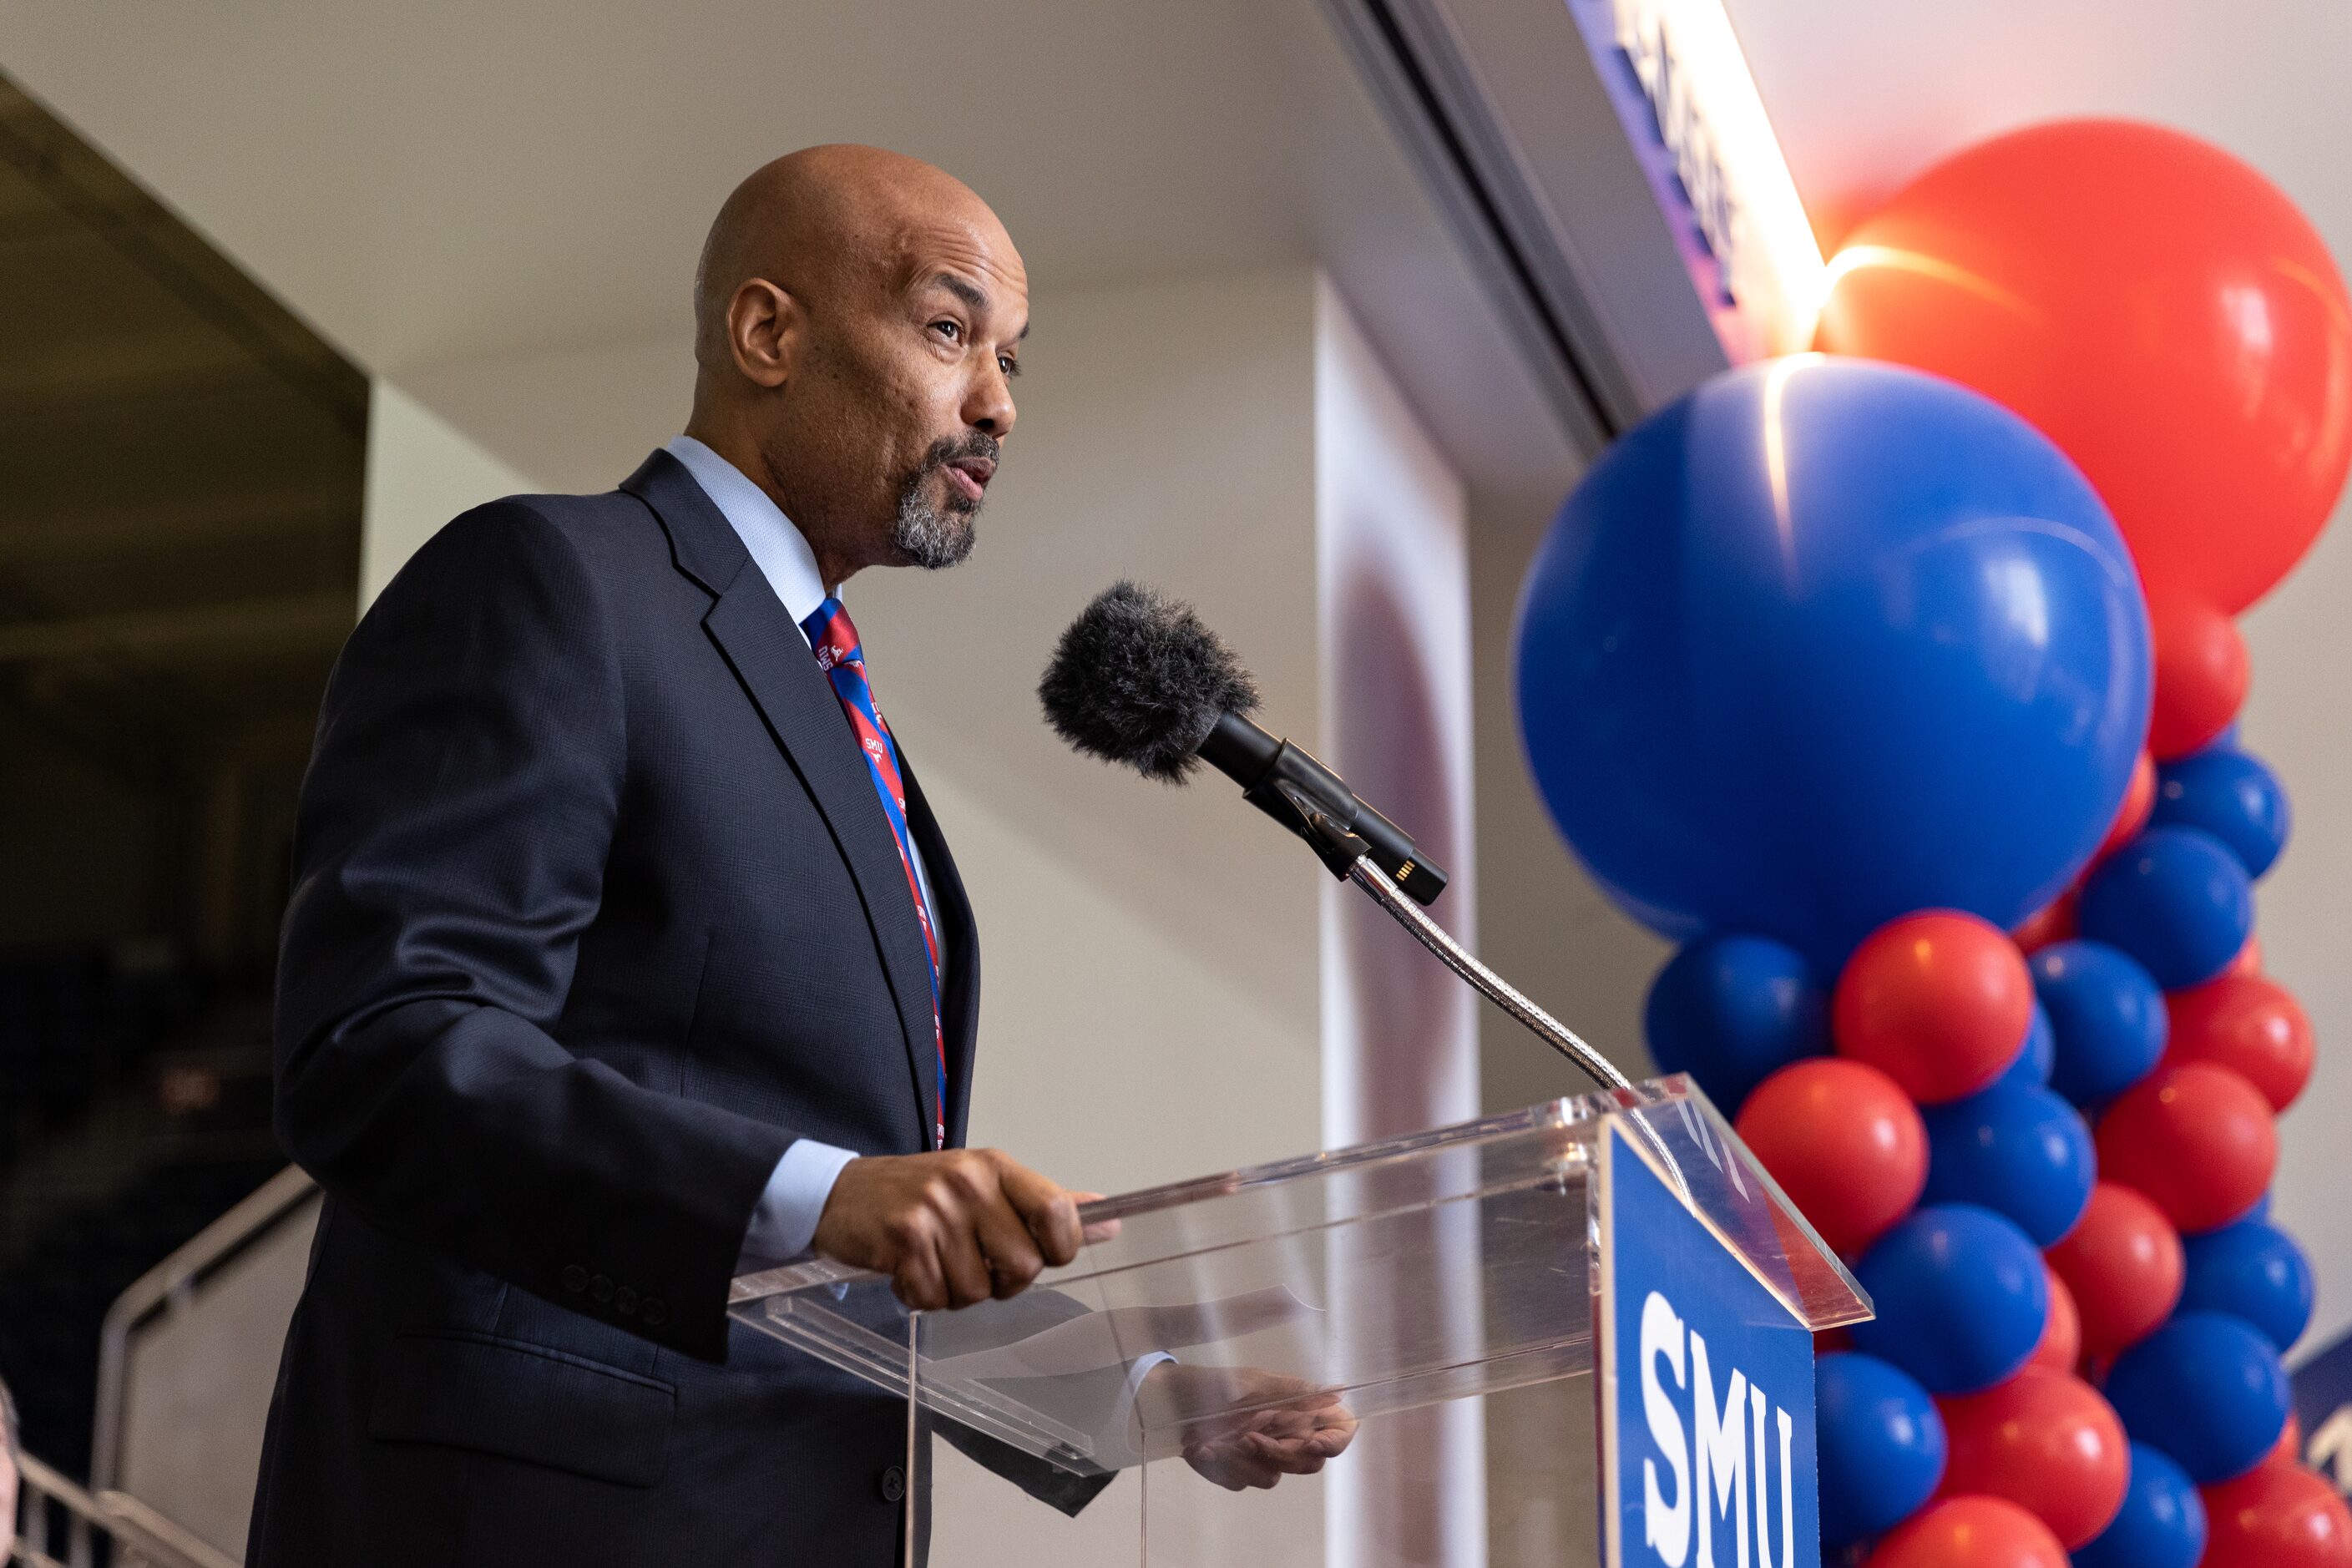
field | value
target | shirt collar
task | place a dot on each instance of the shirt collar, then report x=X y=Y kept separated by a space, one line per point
x=780 y=549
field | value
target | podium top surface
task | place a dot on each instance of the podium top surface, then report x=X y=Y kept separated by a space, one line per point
x=1449 y=1263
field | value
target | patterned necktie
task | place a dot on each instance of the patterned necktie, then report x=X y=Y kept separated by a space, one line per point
x=835 y=639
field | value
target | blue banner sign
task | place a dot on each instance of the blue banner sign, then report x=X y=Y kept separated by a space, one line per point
x=2323 y=1403
x=1706 y=1391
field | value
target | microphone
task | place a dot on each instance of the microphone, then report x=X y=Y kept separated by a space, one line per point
x=1137 y=679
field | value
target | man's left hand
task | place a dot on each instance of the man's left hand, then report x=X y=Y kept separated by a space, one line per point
x=1242 y=1427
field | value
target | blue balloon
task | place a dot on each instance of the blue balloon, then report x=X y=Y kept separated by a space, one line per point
x=2206 y=1388
x=2254 y=1270
x=2229 y=795
x=2108 y=1022
x=2017 y=1150
x=1826 y=642
x=2160 y=1525
x=1882 y=1445
x=2176 y=899
x=2036 y=1057
x=1962 y=1296
x=1731 y=1011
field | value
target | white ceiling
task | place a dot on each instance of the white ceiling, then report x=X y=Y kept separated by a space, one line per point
x=458 y=180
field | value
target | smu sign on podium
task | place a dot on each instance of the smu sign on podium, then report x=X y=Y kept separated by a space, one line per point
x=1706 y=1394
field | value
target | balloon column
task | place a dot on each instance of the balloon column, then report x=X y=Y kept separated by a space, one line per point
x=1905 y=702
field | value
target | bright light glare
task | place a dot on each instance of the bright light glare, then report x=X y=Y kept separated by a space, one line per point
x=1856 y=259
x=1774 y=265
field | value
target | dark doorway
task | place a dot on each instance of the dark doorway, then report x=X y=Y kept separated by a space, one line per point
x=181 y=469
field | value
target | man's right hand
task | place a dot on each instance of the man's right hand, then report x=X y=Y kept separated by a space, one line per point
x=950 y=1228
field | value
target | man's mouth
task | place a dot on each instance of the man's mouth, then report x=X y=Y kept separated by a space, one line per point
x=969 y=477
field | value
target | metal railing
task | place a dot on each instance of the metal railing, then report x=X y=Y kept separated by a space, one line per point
x=66 y=1527
x=172 y=1283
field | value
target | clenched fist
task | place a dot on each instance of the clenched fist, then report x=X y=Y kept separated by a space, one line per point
x=950 y=1228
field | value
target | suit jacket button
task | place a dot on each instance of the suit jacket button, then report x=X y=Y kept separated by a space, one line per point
x=894 y=1484
x=575 y=1278
x=601 y=1286
x=625 y=1301
x=654 y=1314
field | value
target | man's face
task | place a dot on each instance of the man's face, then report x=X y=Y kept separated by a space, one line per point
x=890 y=430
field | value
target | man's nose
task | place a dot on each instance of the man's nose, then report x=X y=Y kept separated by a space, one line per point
x=990 y=406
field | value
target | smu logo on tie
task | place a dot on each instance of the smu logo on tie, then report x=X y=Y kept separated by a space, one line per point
x=1706 y=1393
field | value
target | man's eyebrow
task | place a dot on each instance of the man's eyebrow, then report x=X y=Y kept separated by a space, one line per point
x=969 y=294
x=972 y=295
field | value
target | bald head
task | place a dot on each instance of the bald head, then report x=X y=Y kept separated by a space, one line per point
x=827 y=217
x=858 y=316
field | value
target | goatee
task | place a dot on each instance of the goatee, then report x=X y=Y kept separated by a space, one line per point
x=936 y=537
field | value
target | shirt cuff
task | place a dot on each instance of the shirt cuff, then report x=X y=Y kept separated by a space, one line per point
x=784 y=1222
x=1126 y=1434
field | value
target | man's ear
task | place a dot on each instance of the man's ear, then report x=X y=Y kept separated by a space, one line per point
x=766 y=331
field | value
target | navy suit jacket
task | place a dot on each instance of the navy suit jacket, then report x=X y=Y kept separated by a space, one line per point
x=595 y=911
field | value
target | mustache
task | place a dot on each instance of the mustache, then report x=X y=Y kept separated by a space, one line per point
x=948 y=449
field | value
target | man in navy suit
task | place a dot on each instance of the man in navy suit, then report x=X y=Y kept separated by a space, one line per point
x=624 y=956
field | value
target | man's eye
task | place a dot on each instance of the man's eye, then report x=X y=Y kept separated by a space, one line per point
x=1008 y=365
x=950 y=330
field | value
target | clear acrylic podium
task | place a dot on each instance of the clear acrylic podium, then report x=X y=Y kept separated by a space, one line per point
x=1488 y=1314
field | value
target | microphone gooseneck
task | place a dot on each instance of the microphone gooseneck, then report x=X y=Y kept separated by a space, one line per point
x=1137 y=679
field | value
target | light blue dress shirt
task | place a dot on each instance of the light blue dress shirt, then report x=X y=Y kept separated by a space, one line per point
x=785 y=1220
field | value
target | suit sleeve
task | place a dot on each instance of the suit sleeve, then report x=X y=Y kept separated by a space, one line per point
x=449 y=851
x=1097 y=1402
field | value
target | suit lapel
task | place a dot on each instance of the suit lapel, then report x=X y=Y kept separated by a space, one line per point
x=770 y=657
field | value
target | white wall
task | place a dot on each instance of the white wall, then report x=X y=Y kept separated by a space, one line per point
x=1541 y=921
x=2296 y=721
x=1400 y=1034
x=421 y=472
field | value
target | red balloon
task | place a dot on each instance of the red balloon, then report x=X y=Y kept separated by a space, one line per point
x=1937 y=1001
x=2202 y=675
x=2196 y=1139
x=2249 y=1024
x=2061 y=1349
x=2154 y=306
x=2277 y=1516
x=2053 y=921
x=2123 y=1265
x=2139 y=802
x=1970 y=1532
x=2288 y=1449
x=1844 y=1142
x=2250 y=957
x=2048 y=1443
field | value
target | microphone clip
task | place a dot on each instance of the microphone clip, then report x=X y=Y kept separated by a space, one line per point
x=1334 y=843
x=1288 y=784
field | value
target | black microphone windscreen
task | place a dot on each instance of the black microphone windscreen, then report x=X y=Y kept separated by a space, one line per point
x=1139 y=680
